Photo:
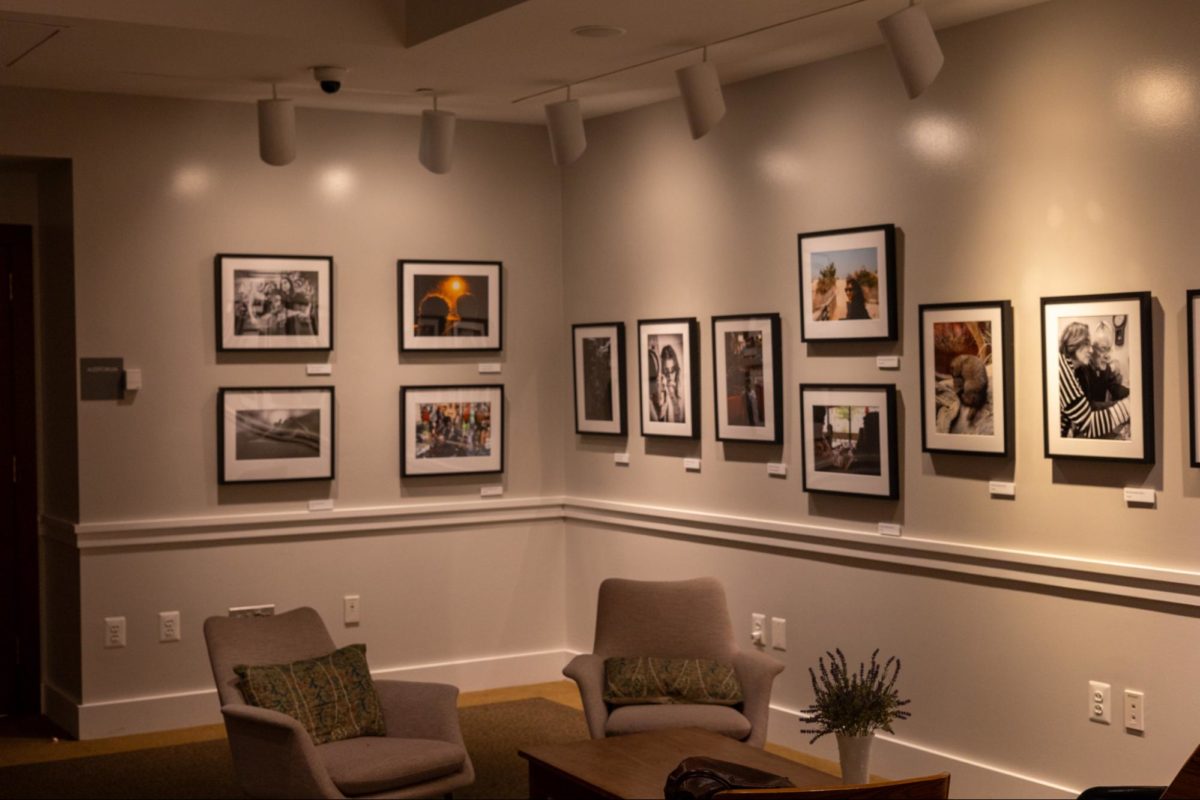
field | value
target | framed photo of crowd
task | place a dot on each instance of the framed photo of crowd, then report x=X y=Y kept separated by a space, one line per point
x=267 y=302
x=1098 y=377
x=451 y=430
x=747 y=378
x=966 y=378
x=1193 y=325
x=669 y=377
x=849 y=439
x=279 y=433
x=848 y=284
x=598 y=353
x=450 y=305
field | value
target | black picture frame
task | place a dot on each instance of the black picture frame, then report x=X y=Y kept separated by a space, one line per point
x=1083 y=428
x=248 y=319
x=411 y=454
x=420 y=281
x=591 y=385
x=682 y=332
x=996 y=412
x=818 y=459
x=1193 y=345
x=737 y=416
x=835 y=321
x=257 y=438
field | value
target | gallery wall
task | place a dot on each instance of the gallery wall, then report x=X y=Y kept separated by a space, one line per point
x=1055 y=155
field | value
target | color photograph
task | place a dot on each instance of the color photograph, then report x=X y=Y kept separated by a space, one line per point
x=451 y=430
x=275 y=434
x=748 y=386
x=274 y=302
x=454 y=430
x=848 y=284
x=669 y=377
x=449 y=305
x=849 y=439
x=598 y=350
x=846 y=439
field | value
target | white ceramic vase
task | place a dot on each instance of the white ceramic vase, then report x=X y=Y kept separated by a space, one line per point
x=854 y=752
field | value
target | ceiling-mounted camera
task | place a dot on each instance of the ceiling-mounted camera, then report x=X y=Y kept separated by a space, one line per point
x=329 y=78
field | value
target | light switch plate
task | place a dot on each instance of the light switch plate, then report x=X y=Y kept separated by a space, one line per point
x=350 y=609
x=319 y=369
x=779 y=633
x=133 y=380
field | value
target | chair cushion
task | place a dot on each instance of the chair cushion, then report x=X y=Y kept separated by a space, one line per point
x=636 y=681
x=367 y=765
x=638 y=719
x=333 y=696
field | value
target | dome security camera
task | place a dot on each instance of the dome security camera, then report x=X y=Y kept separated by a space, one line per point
x=330 y=78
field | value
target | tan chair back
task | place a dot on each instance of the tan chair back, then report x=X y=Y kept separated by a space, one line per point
x=931 y=787
x=671 y=619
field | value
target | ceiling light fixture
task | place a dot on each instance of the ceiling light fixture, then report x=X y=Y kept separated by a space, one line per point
x=700 y=88
x=276 y=130
x=437 y=139
x=564 y=121
x=914 y=46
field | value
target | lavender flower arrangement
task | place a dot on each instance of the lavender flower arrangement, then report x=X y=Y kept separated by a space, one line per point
x=854 y=703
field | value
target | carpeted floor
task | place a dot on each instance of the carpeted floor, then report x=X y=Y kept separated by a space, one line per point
x=492 y=734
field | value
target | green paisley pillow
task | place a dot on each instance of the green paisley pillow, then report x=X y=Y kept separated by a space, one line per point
x=630 y=681
x=333 y=696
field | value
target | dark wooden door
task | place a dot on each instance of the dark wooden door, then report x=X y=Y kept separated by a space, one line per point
x=19 y=648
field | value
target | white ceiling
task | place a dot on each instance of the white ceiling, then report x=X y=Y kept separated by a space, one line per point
x=233 y=49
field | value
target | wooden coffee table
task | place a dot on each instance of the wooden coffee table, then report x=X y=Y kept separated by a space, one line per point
x=637 y=765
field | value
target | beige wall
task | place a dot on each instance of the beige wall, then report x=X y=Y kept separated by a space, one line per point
x=1056 y=154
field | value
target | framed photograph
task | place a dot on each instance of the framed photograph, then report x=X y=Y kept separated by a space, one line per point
x=1098 y=377
x=966 y=378
x=274 y=302
x=451 y=430
x=450 y=305
x=848 y=284
x=1193 y=324
x=848 y=438
x=748 y=378
x=278 y=433
x=598 y=352
x=669 y=377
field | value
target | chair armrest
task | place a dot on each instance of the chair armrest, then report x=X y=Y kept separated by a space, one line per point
x=1123 y=793
x=415 y=710
x=756 y=672
x=587 y=671
x=273 y=756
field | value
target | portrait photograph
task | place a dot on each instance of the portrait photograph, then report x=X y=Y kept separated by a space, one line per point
x=669 y=377
x=849 y=439
x=1193 y=326
x=966 y=378
x=847 y=284
x=1098 y=377
x=450 y=305
x=274 y=302
x=747 y=378
x=275 y=434
x=598 y=352
x=451 y=430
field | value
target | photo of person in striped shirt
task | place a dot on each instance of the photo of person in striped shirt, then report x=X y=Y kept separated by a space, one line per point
x=1093 y=388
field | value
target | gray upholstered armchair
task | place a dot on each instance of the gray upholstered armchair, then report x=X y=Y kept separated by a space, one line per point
x=679 y=619
x=422 y=755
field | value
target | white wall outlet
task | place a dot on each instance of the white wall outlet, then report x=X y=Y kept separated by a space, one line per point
x=691 y=464
x=777 y=470
x=491 y=491
x=1002 y=489
x=320 y=505
x=1135 y=710
x=350 y=609
x=1100 y=702
x=489 y=369
x=887 y=362
x=621 y=459
x=168 y=626
x=758 y=629
x=267 y=610
x=319 y=369
x=779 y=633
x=890 y=529
x=114 y=631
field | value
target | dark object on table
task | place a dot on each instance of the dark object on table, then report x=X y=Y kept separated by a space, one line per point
x=700 y=777
x=1185 y=785
x=930 y=787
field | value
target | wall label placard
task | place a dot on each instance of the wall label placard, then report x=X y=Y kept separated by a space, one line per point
x=101 y=378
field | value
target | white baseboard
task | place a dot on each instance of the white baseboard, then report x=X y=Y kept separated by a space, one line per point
x=200 y=707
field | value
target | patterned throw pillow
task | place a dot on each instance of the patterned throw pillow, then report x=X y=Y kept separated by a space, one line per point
x=630 y=681
x=333 y=696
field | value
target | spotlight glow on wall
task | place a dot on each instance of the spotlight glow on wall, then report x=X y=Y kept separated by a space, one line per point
x=276 y=130
x=914 y=46
x=564 y=121
x=437 y=139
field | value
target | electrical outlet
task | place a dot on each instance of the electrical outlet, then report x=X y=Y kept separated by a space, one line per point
x=114 y=631
x=350 y=609
x=779 y=633
x=1135 y=710
x=168 y=626
x=758 y=629
x=1100 y=702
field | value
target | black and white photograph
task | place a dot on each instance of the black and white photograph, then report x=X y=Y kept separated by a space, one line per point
x=847 y=284
x=669 y=377
x=747 y=378
x=450 y=305
x=275 y=434
x=1193 y=326
x=598 y=351
x=269 y=302
x=849 y=439
x=966 y=378
x=1098 y=377
x=451 y=430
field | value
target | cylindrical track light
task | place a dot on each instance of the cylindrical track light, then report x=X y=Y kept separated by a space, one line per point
x=909 y=35
x=568 y=140
x=437 y=139
x=702 y=98
x=276 y=130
